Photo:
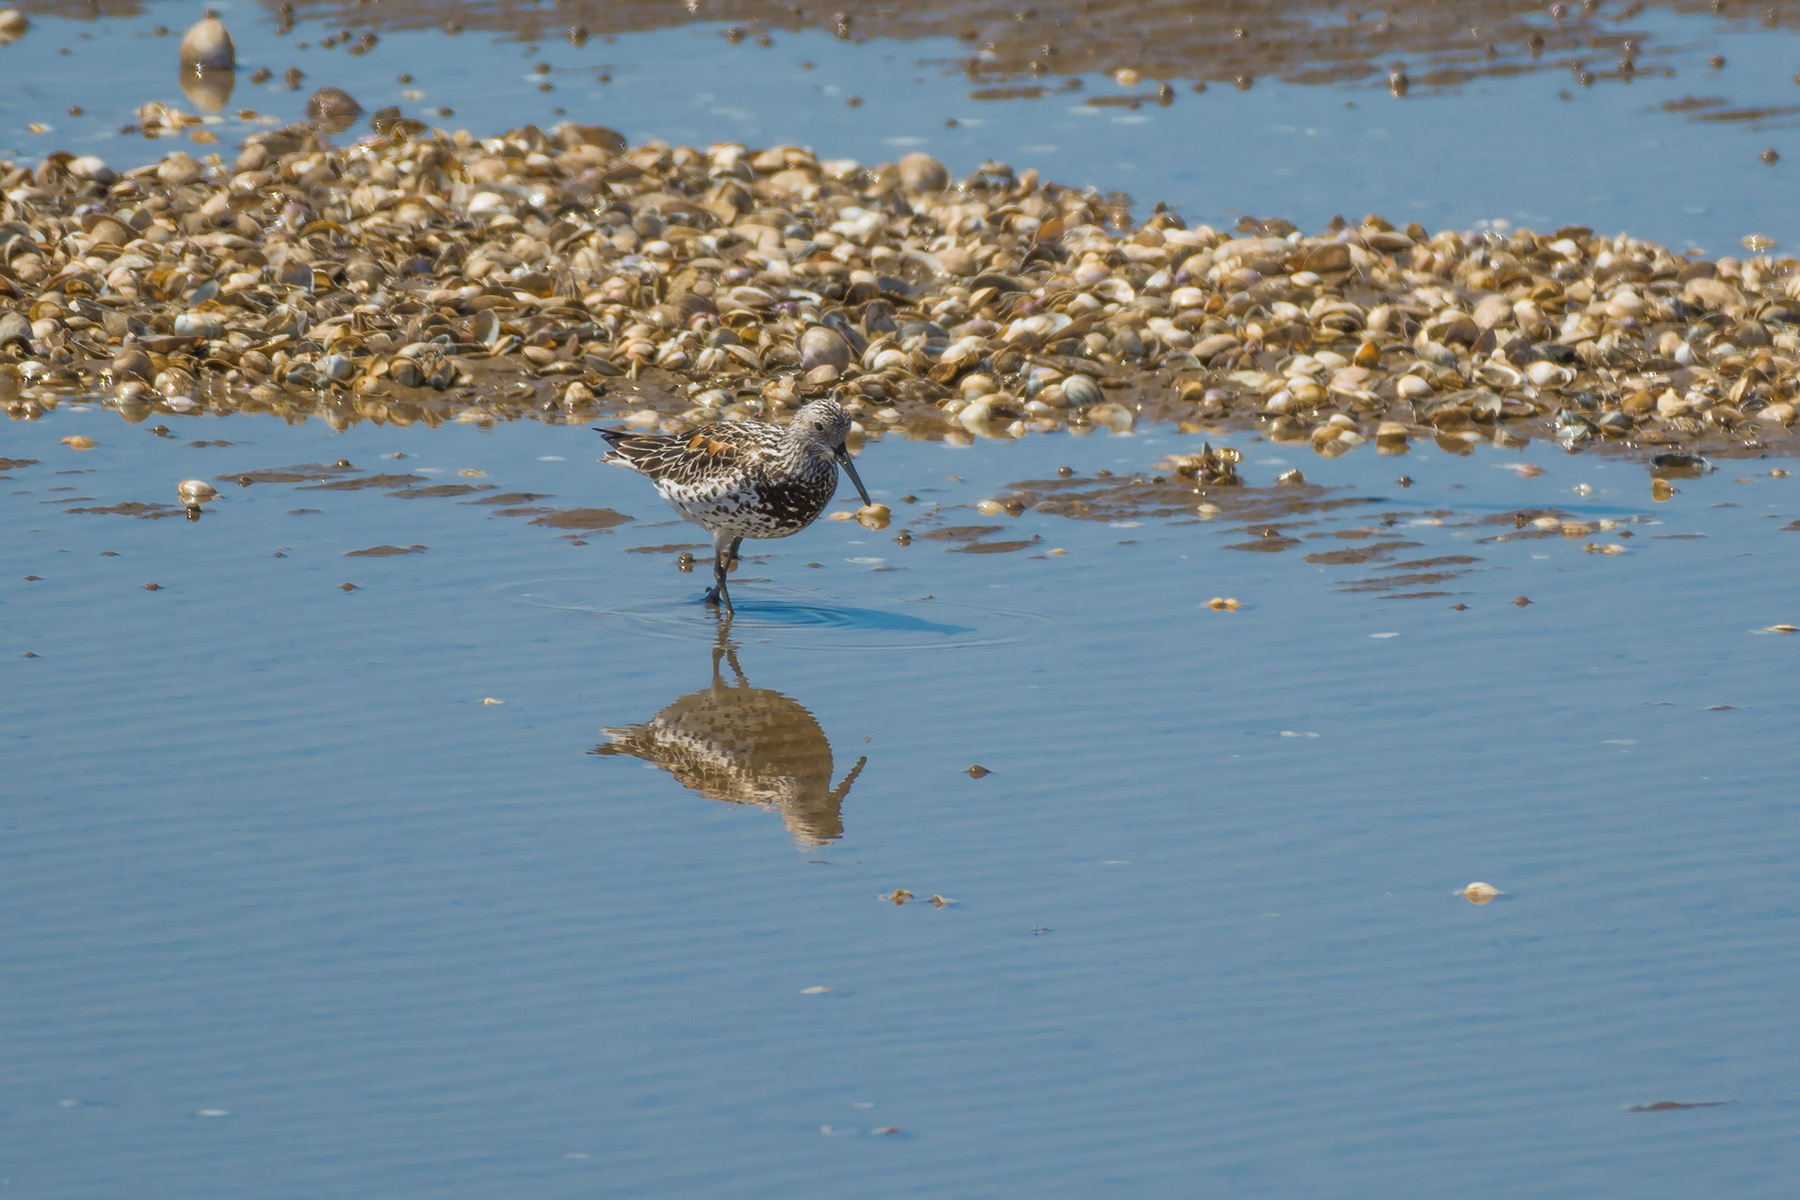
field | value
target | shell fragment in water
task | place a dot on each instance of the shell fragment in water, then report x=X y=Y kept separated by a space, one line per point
x=195 y=492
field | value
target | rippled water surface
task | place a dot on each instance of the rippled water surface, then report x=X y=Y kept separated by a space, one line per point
x=437 y=884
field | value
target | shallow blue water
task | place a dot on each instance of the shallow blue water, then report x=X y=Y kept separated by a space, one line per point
x=288 y=909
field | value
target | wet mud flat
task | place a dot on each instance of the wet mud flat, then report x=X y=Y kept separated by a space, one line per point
x=286 y=916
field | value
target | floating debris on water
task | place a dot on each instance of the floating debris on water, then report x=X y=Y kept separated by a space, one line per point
x=978 y=771
x=1480 y=893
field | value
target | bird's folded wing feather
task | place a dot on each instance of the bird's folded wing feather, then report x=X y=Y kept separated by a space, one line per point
x=706 y=450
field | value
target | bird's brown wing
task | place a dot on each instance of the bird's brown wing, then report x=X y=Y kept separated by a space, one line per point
x=708 y=450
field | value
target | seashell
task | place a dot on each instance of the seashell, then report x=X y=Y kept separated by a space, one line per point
x=1308 y=393
x=485 y=328
x=1625 y=304
x=406 y=371
x=296 y=274
x=1326 y=259
x=1211 y=347
x=1499 y=374
x=332 y=109
x=1081 y=391
x=978 y=384
x=92 y=166
x=975 y=416
x=1710 y=293
x=173 y=382
x=207 y=44
x=337 y=368
x=1548 y=374
x=200 y=325
x=823 y=346
x=195 y=492
x=1493 y=311
x=128 y=363
x=1412 y=387
x=874 y=516
x=15 y=330
x=1479 y=893
x=13 y=25
x=919 y=172
x=892 y=359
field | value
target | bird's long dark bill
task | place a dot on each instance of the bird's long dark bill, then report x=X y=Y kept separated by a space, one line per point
x=843 y=456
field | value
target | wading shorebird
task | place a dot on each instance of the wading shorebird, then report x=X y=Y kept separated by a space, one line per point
x=739 y=479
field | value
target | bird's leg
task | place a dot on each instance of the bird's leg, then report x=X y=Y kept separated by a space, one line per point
x=724 y=547
x=735 y=543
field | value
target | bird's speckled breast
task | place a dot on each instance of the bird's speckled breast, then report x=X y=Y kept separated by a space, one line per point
x=752 y=504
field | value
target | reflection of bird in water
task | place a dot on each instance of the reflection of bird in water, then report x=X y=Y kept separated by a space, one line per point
x=745 y=745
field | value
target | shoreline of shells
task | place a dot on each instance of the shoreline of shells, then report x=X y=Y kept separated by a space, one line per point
x=420 y=277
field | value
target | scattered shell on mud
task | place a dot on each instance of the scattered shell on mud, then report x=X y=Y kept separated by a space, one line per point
x=207 y=45
x=424 y=276
x=332 y=109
